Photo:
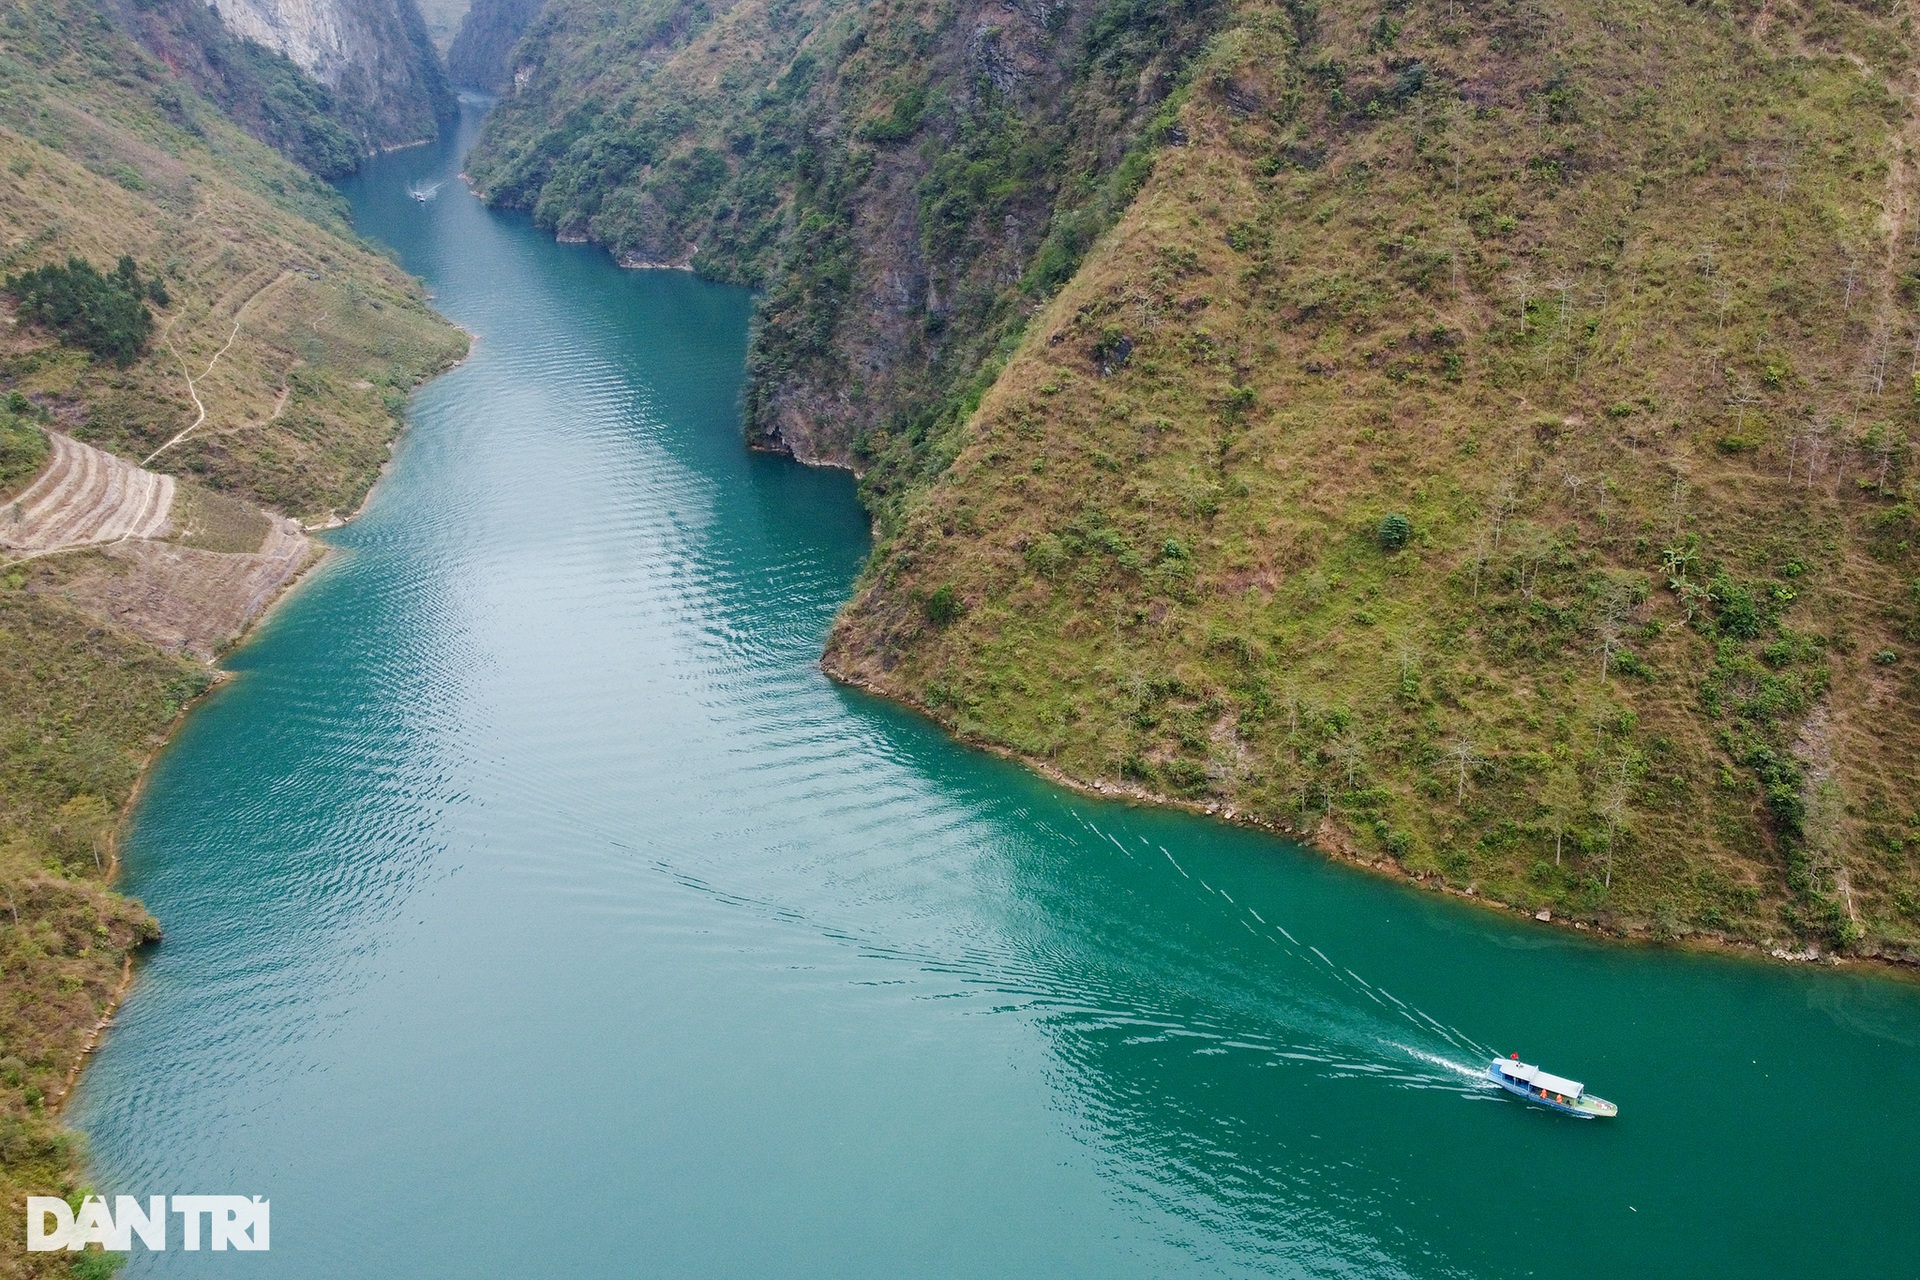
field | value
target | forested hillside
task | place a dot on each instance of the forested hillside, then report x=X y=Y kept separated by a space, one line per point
x=145 y=241
x=903 y=181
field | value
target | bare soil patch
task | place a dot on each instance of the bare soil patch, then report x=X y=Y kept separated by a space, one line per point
x=183 y=599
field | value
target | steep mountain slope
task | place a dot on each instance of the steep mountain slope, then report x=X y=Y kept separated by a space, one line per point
x=443 y=20
x=263 y=91
x=374 y=57
x=300 y=346
x=1483 y=442
x=902 y=179
x=477 y=57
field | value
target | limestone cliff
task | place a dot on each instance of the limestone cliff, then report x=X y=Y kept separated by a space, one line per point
x=374 y=56
x=263 y=91
x=479 y=53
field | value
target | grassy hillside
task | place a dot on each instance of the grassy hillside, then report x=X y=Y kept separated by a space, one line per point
x=103 y=153
x=301 y=346
x=1477 y=434
x=1482 y=441
x=80 y=705
x=1486 y=443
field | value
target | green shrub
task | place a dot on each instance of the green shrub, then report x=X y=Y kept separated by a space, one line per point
x=1185 y=777
x=944 y=606
x=1737 y=613
x=1394 y=532
x=903 y=121
x=1045 y=555
x=1628 y=663
x=23 y=447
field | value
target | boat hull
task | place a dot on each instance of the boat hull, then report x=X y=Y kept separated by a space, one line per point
x=1585 y=1107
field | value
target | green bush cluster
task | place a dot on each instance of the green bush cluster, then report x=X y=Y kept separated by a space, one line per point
x=105 y=314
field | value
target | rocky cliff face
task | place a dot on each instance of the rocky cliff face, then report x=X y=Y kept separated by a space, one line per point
x=478 y=55
x=904 y=184
x=374 y=56
x=263 y=91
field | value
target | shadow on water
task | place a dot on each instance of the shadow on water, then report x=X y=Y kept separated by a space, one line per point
x=532 y=874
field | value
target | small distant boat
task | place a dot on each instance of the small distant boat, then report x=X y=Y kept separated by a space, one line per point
x=1561 y=1094
x=424 y=194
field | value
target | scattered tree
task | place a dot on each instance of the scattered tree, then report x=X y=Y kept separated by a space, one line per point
x=1530 y=545
x=1351 y=751
x=1611 y=629
x=1522 y=282
x=1743 y=397
x=1562 y=800
x=1615 y=810
x=1461 y=751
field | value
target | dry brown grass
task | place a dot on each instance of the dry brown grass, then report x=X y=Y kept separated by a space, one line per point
x=210 y=521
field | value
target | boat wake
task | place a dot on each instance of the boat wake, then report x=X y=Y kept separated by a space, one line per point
x=1092 y=978
x=1337 y=1031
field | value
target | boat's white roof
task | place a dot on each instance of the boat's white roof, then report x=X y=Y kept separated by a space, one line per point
x=1542 y=1080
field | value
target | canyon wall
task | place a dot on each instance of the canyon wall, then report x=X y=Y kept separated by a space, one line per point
x=373 y=55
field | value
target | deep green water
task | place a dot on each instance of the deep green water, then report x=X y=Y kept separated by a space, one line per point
x=534 y=908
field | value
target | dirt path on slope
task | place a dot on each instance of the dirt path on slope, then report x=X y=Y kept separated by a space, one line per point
x=192 y=389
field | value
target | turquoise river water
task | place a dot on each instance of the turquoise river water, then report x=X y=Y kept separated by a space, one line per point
x=535 y=907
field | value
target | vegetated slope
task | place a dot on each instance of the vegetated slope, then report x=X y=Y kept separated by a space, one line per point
x=301 y=345
x=616 y=121
x=262 y=90
x=79 y=704
x=904 y=180
x=1485 y=442
x=480 y=49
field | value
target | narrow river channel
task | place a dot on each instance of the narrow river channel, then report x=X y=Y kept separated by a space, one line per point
x=535 y=908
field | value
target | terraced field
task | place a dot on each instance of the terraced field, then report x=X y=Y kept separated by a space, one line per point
x=145 y=562
x=86 y=496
